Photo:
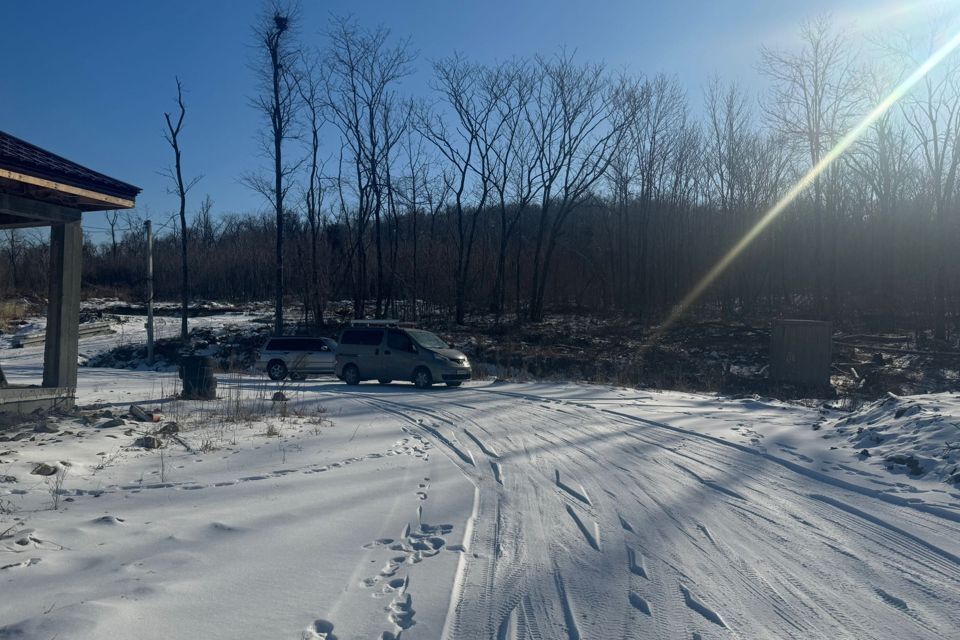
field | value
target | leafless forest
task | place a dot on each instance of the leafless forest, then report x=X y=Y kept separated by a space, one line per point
x=555 y=184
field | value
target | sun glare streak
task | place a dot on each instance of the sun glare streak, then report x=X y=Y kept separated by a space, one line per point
x=901 y=90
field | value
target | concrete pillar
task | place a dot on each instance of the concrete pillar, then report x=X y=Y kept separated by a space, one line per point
x=63 y=311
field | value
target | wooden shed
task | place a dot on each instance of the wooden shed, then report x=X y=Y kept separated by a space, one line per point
x=42 y=189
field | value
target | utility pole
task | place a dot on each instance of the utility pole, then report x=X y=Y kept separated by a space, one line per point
x=149 y=228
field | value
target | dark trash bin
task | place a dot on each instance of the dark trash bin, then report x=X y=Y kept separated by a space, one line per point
x=199 y=381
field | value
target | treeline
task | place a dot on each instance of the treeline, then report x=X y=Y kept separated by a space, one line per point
x=550 y=183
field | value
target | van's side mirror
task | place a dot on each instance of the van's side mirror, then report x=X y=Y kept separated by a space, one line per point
x=413 y=348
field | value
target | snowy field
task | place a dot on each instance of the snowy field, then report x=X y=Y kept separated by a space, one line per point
x=490 y=511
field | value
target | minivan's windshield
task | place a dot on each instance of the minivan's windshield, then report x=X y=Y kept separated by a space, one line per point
x=427 y=339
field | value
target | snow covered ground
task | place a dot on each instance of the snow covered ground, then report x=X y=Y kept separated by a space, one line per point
x=490 y=511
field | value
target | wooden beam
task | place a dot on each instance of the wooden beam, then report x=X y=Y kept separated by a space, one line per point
x=18 y=222
x=110 y=202
x=44 y=212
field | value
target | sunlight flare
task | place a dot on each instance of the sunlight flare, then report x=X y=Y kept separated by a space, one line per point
x=774 y=212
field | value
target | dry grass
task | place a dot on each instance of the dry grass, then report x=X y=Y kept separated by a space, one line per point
x=55 y=485
x=10 y=313
x=243 y=402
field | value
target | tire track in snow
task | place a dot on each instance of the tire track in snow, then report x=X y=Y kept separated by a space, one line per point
x=700 y=607
x=654 y=492
x=579 y=495
x=573 y=631
x=639 y=603
x=480 y=567
x=710 y=483
x=584 y=528
x=943 y=553
x=785 y=614
x=636 y=563
x=884 y=496
x=458 y=628
x=477 y=520
x=592 y=538
x=466 y=456
x=497 y=471
x=487 y=450
x=509 y=627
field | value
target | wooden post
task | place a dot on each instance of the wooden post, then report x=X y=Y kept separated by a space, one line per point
x=149 y=227
x=63 y=309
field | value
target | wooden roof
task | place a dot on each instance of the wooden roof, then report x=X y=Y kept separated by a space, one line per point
x=31 y=173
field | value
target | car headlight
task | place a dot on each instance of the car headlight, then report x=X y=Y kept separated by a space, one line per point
x=439 y=357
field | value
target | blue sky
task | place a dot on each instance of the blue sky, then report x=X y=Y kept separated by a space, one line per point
x=90 y=80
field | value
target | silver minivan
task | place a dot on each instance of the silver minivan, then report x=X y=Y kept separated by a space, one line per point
x=389 y=352
x=296 y=357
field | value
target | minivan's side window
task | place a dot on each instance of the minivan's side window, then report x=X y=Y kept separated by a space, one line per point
x=368 y=337
x=399 y=341
x=297 y=344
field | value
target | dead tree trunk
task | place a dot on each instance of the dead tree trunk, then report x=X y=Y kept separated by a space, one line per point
x=172 y=136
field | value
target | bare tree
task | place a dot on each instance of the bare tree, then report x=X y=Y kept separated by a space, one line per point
x=204 y=227
x=278 y=101
x=575 y=130
x=415 y=196
x=622 y=176
x=513 y=164
x=473 y=95
x=726 y=158
x=310 y=84
x=395 y=121
x=658 y=128
x=14 y=251
x=728 y=134
x=363 y=69
x=180 y=188
x=586 y=189
x=814 y=97
x=932 y=112
x=883 y=161
x=113 y=217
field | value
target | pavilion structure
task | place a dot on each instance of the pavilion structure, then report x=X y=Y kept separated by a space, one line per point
x=42 y=189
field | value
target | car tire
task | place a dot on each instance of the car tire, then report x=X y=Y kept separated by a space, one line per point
x=351 y=375
x=454 y=384
x=422 y=378
x=384 y=381
x=277 y=370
